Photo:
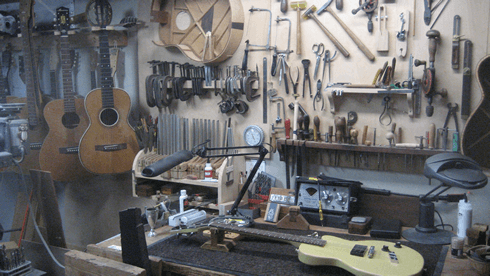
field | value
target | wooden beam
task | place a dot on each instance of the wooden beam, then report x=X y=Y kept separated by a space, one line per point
x=79 y=263
x=45 y=195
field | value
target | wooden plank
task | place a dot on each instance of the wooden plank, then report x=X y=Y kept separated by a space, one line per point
x=189 y=270
x=80 y=263
x=50 y=211
x=115 y=255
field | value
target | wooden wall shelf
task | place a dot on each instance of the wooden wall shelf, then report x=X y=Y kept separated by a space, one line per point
x=386 y=158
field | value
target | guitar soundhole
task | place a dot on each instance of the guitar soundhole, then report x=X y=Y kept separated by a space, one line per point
x=70 y=120
x=109 y=117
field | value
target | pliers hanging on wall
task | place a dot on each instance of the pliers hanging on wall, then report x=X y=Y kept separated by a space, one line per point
x=318 y=95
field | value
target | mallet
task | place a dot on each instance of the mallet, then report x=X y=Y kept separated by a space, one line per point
x=298 y=6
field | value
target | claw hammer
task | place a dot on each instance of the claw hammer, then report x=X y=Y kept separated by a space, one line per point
x=364 y=49
x=310 y=13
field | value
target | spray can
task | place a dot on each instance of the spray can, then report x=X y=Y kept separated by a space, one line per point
x=465 y=213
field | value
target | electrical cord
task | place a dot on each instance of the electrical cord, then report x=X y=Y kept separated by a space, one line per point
x=34 y=220
x=442 y=222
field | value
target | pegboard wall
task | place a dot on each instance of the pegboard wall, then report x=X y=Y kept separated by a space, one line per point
x=354 y=69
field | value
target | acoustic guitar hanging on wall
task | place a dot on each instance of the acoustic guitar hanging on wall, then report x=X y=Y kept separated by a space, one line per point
x=476 y=135
x=109 y=144
x=205 y=31
x=35 y=100
x=66 y=118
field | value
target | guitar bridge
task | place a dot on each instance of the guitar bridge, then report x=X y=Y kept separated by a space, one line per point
x=112 y=147
x=68 y=150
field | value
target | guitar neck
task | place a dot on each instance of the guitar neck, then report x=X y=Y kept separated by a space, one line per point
x=66 y=69
x=3 y=90
x=32 y=90
x=106 y=81
x=4 y=87
x=294 y=239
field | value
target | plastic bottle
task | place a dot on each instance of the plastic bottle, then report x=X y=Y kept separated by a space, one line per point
x=208 y=172
x=182 y=197
x=465 y=214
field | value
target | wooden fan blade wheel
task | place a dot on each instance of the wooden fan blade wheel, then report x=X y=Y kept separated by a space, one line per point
x=426 y=83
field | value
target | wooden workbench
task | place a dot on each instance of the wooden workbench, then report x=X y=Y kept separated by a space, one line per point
x=110 y=249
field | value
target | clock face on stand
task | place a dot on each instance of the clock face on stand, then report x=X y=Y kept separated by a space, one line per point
x=253 y=135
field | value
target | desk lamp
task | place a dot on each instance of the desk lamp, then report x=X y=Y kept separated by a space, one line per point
x=453 y=170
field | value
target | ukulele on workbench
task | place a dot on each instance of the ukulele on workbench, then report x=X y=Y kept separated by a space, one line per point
x=66 y=118
x=365 y=257
x=475 y=142
x=109 y=144
x=34 y=100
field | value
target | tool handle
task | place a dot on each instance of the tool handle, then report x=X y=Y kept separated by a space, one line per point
x=286 y=85
x=427 y=12
x=339 y=4
x=274 y=64
x=466 y=94
x=273 y=140
x=306 y=122
x=331 y=37
x=364 y=135
x=432 y=135
x=295 y=120
x=432 y=35
x=284 y=6
x=316 y=128
x=298 y=31
x=287 y=126
x=245 y=59
x=358 y=42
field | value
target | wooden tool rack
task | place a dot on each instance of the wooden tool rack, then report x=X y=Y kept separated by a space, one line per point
x=385 y=158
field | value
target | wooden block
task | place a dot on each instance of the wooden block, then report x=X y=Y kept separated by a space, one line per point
x=145 y=190
x=78 y=263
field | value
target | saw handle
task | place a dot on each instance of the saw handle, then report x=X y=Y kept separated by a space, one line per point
x=274 y=64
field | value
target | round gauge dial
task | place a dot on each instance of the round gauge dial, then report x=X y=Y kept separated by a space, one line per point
x=99 y=15
x=253 y=135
